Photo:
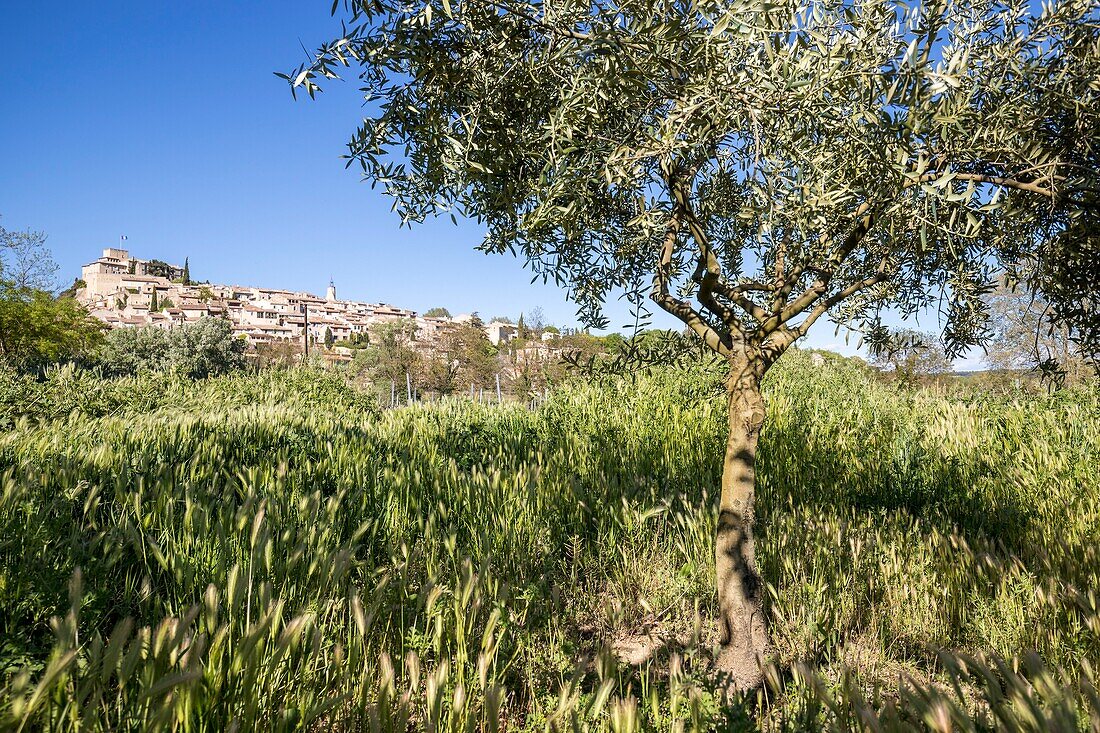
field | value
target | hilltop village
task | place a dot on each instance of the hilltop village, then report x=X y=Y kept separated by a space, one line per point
x=124 y=291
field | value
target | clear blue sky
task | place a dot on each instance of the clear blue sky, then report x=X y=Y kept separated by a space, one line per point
x=164 y=122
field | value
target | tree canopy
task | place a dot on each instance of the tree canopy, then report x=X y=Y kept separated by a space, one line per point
x=390 y=356
x=158 y=268
x=750 y=165
x=462 y=355
x=37 y=328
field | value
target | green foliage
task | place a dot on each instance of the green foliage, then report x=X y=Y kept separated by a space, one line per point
x=751 y=166
x=265 y=551
x=200 y=349
x=437 y=313
x=83 y=393
x=472 y=355
x=132 y=350
x=389 y=355
x=158 y=268
x=70 y=292
x=37 y=329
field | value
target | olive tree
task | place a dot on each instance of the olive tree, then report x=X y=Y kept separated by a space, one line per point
x=752 y=166
x=200 y=349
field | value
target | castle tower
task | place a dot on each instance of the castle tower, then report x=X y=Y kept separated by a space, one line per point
x=330 y=294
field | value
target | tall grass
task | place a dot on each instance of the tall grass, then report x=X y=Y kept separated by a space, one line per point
x=266 y=552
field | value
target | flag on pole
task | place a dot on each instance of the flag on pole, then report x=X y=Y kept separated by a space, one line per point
x=123 y=238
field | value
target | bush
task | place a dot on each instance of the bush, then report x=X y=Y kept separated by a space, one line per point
x=201 y=349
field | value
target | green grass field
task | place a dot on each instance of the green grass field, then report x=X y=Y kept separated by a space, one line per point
x=269 y=552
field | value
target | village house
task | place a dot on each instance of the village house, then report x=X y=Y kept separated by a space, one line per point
x=501 y=333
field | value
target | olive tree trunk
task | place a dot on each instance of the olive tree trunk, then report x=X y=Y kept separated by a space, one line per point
x=742 y=628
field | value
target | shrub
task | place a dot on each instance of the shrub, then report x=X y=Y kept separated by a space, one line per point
x=200 y=349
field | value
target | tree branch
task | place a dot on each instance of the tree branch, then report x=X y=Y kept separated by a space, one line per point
x=1029 y=186
x=745 y=286
x=823 y=306
x=779 y=281
x=863 y=225
x=677 y=307
x=708 y=272
x=815 y=292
